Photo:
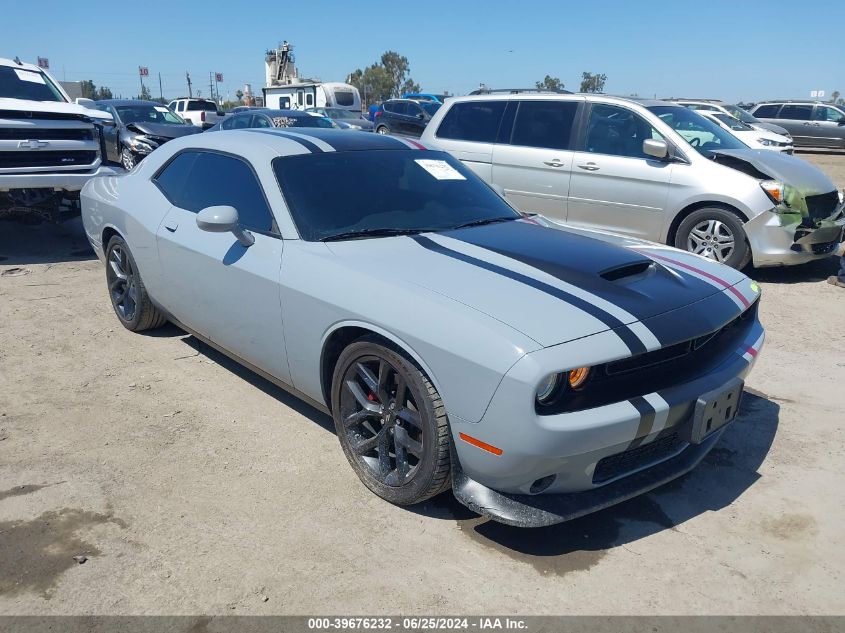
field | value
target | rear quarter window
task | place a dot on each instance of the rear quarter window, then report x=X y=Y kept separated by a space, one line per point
x=767 y=111
x=796 y=112
x=472 y=121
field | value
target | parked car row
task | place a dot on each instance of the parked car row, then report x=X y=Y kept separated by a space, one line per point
x=811 y=123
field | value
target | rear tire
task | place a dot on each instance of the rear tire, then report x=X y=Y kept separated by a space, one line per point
x=127 y=292
x=382 y=129
x=391 y=423
x=716 y=234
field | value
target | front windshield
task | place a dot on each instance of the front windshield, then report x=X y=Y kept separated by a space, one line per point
x=732 y=123
x=742 y=115
x=339 y=113
x=147 y=114
x=702 y=134
x=430 y=106
x=19 y=83
x=392 y=190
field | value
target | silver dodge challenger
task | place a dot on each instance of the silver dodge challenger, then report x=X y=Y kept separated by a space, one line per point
x=539 y=371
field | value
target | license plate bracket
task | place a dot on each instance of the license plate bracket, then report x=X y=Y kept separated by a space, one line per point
x=715 y=409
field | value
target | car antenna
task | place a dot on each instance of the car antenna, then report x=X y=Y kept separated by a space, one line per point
x=18 y=61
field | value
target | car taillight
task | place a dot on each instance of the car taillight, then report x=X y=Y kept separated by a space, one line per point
x=202 y=115
x=378 y=113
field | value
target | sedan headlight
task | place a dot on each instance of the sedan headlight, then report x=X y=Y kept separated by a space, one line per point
x=773 y=189
x=554 y=385
x=766 y=142
x=143 y=145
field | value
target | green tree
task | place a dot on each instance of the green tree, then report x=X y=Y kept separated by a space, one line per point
x=239 y=94
x=385 y=79
x=396 y=66
x=103 y=93
x=549 y=83
x=145 y=95
x=409 y=86
x=834 y=96
x=89 y=90
x=593 y=82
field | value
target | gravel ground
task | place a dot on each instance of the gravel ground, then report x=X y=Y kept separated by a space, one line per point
x=190 y=485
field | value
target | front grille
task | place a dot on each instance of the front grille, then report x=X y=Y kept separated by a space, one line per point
x=823 y=205
x=51 y=116
x=60 y=134
x=40 y=158
x=628 y=461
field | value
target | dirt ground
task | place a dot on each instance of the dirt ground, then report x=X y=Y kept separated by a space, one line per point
x=192 y=486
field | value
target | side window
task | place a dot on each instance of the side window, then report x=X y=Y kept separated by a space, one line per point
x=617 y=131
x=414 y=109
x=309 y=100
x=824 y=113
x=768 y=111
x=171 y=180
x=472 y=121
x=259 y=120
x=545 y=124
x=300 y=97
x=172 y=105
x=796 y=112
x=222 y=180
x=228 y=122
x=241 y=121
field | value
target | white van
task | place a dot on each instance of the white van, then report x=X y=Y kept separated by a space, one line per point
x=649 y=169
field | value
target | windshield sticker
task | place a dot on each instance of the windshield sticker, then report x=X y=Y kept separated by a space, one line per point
x=161 y=109
x=284 y=121
x=28 y=75
x=440 y=169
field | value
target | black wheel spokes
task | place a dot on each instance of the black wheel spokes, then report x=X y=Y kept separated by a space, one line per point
x=122 y=286
x=382 y=421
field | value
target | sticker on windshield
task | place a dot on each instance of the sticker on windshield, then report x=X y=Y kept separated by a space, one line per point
x=161 y=109
x=440 y=169
x=28 y=75
x=284 y=121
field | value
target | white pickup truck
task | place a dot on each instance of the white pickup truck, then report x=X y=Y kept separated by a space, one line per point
x=201 y=112
x=49 y=147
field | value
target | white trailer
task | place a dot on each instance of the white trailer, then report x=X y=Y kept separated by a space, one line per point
x=306 y=94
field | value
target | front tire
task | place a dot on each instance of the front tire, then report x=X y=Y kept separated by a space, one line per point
x=382 y=129
x=716 y=234
x=127 y=159
x=391 y=423
x=127 y=292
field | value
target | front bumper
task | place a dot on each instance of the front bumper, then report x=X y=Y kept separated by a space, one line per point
x=782 y=239
x=553 y=468
x=55 y=180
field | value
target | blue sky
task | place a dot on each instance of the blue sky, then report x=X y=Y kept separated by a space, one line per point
x=729 y=50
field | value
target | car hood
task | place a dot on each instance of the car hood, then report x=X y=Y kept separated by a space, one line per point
x=771 y=127
x=551 y=284
x=166 y=130
x=792 y=171
x=47 y=107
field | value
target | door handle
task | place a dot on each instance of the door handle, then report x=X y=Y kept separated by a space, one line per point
x=553 y=163
x=589 y=166
x=171 y=225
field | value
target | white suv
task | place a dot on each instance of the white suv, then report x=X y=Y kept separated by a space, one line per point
x=649 y=169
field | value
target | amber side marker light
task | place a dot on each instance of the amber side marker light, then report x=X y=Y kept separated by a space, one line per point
x=469 y=439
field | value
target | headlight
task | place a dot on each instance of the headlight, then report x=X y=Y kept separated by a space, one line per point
x=773 y=189
x=553 y=385
x=141 y=144
x=766 y=142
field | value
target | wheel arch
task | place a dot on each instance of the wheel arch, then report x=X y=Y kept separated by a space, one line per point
x=341 y=335
x=108 y=233
x=695 y=206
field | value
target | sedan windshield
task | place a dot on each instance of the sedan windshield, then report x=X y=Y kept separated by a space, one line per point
x=147 y=114
x=19 y=83
x=742 y=115
x=340 y=113
x=354 y=194
x=732 y=123
x=702 y=134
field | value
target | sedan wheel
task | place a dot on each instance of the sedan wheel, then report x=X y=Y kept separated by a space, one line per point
x=128 y=294
x=382 y=129
x=127 y=159
x=391 y=424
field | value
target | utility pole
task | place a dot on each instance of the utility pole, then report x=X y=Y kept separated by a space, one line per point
x=160 y=91
x=188 y=77
x=210 y=85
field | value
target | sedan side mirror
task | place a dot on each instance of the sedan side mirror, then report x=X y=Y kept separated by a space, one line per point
x=107 y=122
x=224 y=219
x=656 y=148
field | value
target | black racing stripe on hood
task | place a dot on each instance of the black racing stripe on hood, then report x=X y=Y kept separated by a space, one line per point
x=311 y=147
x=634 y=344
x=581 y=260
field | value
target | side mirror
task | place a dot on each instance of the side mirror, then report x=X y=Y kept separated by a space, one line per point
x=107 y=122
x=221 y=113
x=656 y=148
x=224 y=219
x=85 y=103
x=842 y=120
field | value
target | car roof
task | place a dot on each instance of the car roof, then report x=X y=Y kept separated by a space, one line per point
x=277 y=112
x=304 y=139
x=22 y=65
x=574 y=96
x=117 y=102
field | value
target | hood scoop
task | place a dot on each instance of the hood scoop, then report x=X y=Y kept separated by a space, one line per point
x=626 y=271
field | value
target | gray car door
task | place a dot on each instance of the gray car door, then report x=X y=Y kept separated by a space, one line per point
x=219 y=288
x=614 y=185
x=796 y=117
x=829 y=126
x=534 y=167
